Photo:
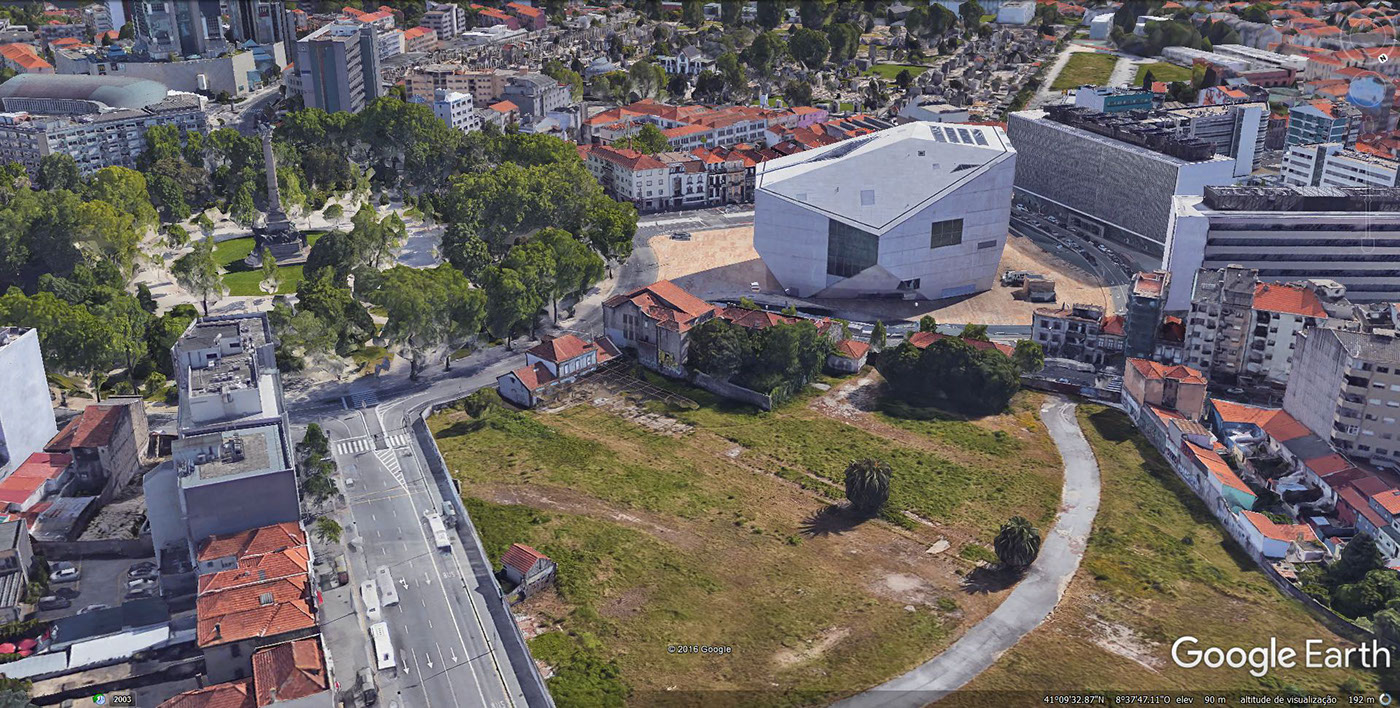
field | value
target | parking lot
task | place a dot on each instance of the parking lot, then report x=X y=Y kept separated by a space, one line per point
x=102 y=581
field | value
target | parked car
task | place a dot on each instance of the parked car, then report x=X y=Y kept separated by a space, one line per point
x=144 y=565
x=136 y=572
x=64 y=572
x=141 y=594
x=140 y=584
x=54 y=602
x=92 y=608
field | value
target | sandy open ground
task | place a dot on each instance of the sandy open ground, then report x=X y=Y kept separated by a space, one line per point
x=723 y=263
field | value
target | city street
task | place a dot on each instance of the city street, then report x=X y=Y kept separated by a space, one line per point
x=698 y=220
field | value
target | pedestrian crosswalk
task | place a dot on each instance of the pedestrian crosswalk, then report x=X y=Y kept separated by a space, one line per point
x=390 y=460
x=355 y=446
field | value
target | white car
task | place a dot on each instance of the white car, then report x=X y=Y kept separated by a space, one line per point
x=65 y=575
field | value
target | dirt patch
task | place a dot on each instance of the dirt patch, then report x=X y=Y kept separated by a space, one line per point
x=628 y=405
x=625 y=605
x=906 y=588
x=814 y=648
x=571 y=502
x=1122 y=640
x=851 y=399
x=540 y=613
x=119 y=519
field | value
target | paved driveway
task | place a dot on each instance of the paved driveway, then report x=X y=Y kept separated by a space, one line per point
x=1034 y=597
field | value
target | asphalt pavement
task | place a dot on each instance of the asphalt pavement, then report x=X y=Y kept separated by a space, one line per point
x=1035 y=596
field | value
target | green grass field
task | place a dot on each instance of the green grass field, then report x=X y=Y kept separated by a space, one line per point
x=244 y=281
x=1162 y=71
x=700 y=537
x=1158 y=567
x=888 y=72
x=1085 y=68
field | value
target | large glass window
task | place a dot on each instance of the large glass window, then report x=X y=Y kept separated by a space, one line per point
x=849 y=250
x=946 y=233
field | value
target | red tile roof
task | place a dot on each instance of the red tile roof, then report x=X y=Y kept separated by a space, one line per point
x=1217 y=466
x=39 y=468
x=253 y=542
x=560 y=349
x=1114 y=324
x=92 y=428
x=504 y=106
x=1280 y=532
x=1279 y=425
x=1328 y=465
x=533 y=376
x=1354 y=499
x=522 y=557
x=263 y=610
x=525 y=9
x=416 y=32
x=763 y=319
x=921 y=340
x=851 y=348
x=25 y=55
x=627 y=158
x=234 y=694
x=289 y=671
x=1389 y=500
x=1177 y=372
x=289 y=563
x=1292 y=299
x=665 y=303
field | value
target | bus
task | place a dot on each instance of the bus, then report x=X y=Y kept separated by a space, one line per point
x=440 y=537
x=370 y=594
x=389 y=595
x=383 y=648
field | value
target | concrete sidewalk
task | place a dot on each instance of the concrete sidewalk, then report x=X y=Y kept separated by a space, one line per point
x=1032 y=600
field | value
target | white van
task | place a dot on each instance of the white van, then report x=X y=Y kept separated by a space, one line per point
x=370 y=594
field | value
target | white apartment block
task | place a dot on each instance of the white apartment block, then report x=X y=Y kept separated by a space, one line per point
x=458 y=110
x=1345 y=386
x=1331 y=165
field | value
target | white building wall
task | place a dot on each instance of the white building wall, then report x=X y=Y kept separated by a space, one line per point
x=26 y=413
x=1184 y=250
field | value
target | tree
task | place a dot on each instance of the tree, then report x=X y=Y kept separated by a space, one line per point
x=509 y=304
x=198 y=273
x=328 y=530
x=765 y=51
x=976 y=332
x=647 y=78
x=770 y=13
x=1147 y=80
x=125 y=189
x=205 y=224
x=650 y=140
x=465 y=250
x=1029 y=356
x=809 y=47
x=241 y=208
x=576 y=267
x=58 y=171
x=812 y=13
x=735 y=79
x=169 y=198
x=719 y=348
x=271 y=276
x=928 y=324
x=730 y=12
x=693 y=12
x=903 y=79
x=128 y=321
x=877 y=335
x=971 y=15
x=333 y=213
x=797 y=93
x=677 y=85
x=1017 y=543
x=314 y=444
x=868 y=485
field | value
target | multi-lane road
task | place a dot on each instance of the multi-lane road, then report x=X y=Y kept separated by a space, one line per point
x=446 y=635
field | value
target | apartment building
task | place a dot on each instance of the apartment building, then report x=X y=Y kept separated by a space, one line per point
x=1178 y=389
x=338 y=67
x=457 y=110
x=99 y=121
x=1289 y=234
x=1241 y=330
x=1345 y=386
x=1331 y=165
x=446 y=20
x=486 y=86
x=419 y=39
x=1109 y=99
x=691 y=126
x=1079 y=332
x=536 y=95
x=1143 y=316
x=1323 y=121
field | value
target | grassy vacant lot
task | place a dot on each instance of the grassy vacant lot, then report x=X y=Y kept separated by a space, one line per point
x=889 y=71
x=720 y=534
x=1085 y=68
x=1157 y=567
x=242 y=280
x=1162 y=71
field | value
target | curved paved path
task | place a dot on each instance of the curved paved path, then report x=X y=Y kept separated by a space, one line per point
x=1034 y=597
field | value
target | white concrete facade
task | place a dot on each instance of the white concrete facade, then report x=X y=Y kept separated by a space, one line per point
x=920 y=210
x=26 y=413
x=458 y=110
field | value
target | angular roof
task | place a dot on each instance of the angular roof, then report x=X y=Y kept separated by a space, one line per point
x=1113 y=324
x=1355 y=499
x=416 y=32
x=25 y=55
x=932 y=159
x=1276 y=422
x=37 y=469
x=1388 y=500
x=665 y=303
x=258 y=610
x=522 y=557
x=533 y=376
x=627 y=158
x=234 y=694
x=763 y=319
x=253 y=542
x=1292 y=299
x=851 y=348
x=560 y=349
x=289 y=563
x=1217 y=466
x=921 y=340
x=1177 y=372
x=288 y=671
x=1280 y=532
x=93 y=427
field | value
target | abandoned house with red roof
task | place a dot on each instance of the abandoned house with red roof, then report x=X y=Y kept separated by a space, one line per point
x=254 y=590
x=107 y=441
x=1153 y=392
x=528 y=569
x=655 y=322
x=291 y=673
x=1080 y=332
x=552 y=363
x=1273 y=540
x=921 y=340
